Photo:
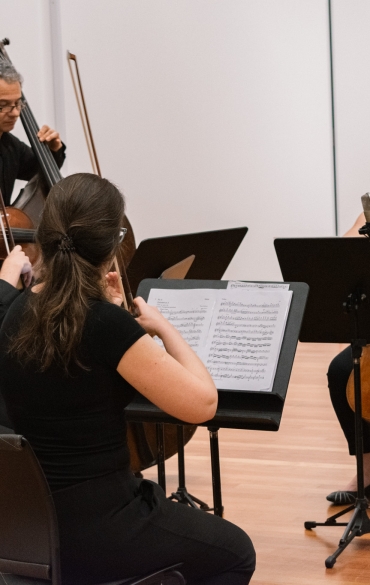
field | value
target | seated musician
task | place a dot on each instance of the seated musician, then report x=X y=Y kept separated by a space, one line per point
x=69 y=363
x=338 y=374
x=17 y=160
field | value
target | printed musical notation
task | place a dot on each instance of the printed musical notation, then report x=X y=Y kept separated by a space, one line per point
x=245 y=336
x=236 y=332
x=190 y=311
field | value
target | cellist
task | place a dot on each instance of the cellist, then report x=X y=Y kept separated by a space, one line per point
x=338 y=374
x=17 y=160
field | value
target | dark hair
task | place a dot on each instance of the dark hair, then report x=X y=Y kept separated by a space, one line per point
x=78 y=234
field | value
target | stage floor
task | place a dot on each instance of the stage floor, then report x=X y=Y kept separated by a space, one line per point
x=273 y=482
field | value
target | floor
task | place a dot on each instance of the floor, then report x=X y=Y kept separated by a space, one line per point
x=273 y=482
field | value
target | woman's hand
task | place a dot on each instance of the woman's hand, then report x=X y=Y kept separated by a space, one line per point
x=15 y=264
x=175 y=380
x=150 y=318
x=113 y=290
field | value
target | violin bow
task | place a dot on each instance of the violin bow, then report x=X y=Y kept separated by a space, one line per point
x=124 y=284
x=7 y=232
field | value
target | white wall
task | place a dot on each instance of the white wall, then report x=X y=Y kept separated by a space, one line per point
x=351 y=52
x=207 y=113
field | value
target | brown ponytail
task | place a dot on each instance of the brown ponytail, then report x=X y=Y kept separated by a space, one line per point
x=78 y=234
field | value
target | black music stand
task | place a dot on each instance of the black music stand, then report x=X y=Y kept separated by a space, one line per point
x=213 y=253
x=336 y=271
x=236 y=409
x=210 y=253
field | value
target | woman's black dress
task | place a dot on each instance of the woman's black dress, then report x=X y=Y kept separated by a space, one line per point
x=111 y=524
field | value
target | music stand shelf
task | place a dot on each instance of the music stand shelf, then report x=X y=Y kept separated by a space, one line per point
x=236 y=409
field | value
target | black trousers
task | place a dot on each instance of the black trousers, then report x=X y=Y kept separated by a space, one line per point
x=338 y=374
x=118 y=526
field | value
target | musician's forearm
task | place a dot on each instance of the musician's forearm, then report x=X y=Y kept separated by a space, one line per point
x=353 y=232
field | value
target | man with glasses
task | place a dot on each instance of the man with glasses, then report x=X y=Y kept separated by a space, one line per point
x=17 y=160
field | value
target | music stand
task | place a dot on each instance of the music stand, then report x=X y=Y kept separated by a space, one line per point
x=213 y=252
x=236 y=409
x=335 y=270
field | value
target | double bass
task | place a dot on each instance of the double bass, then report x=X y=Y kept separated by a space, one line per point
x=32 y=198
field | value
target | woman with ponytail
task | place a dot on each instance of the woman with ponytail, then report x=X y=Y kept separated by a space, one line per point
x=70 y=361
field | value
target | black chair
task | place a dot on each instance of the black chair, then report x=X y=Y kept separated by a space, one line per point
x=29 y=540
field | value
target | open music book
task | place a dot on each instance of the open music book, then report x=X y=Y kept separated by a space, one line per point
x=237 y=332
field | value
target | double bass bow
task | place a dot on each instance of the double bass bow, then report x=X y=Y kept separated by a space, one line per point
x=141 y=437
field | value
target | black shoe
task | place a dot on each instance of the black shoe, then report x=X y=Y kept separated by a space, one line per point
x=345 y=498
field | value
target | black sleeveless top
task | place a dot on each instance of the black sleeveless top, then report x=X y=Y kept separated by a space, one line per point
x=75 y=423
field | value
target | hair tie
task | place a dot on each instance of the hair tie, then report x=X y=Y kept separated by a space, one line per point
x=66 y=244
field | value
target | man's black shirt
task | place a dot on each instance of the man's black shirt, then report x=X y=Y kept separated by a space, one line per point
x=17 y=161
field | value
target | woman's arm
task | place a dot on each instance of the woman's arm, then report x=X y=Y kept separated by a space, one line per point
x=175 y=380
x=353 y=232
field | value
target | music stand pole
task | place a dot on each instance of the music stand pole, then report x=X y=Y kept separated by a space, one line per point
x=182 y=495
x=359 y=523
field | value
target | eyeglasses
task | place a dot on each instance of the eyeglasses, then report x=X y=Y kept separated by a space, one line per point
x=20 y=105
x=122 y=233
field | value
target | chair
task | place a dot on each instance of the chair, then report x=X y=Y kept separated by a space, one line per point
x=29 y=540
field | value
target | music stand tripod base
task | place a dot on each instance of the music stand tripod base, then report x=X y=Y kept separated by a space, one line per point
x=359 y=524
x=182 y=495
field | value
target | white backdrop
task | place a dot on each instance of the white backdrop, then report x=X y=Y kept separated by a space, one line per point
x=208 y=114
x=352 y=104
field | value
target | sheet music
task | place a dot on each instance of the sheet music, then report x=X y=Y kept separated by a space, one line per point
x=245 y=337
x=236 y=332
x=233 y=284
x=190 y=311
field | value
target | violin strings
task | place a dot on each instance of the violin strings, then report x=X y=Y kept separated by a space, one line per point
x=4 y=234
